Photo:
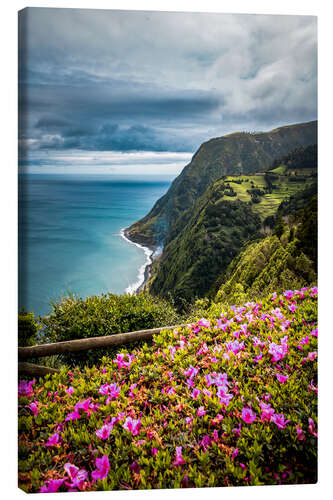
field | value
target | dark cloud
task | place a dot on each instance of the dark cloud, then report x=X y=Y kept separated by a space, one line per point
x=131 y=81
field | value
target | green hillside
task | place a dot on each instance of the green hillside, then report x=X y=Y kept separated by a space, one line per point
x=232 y=211
x=237 y=153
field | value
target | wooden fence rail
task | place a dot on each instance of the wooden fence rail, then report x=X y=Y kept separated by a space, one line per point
x=35 y=370
x=38 y=351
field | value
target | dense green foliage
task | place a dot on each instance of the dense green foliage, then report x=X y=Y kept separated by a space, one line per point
x=285 y=259
x=307 y=230
x=298 y=200
x=229 y=215
x=213 y=235
x=300 y=158
x=28 y=329
x=76 y=318
x=268 y=265
x=229 y=400
x=238 y=153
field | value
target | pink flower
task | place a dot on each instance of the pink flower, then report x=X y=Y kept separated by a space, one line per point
x=279 y=420
x=248 y=415
x=112 y=390
x=278 y=351
x=267 y=412
x=189 y=382
x=204 y=322
x=72 y=416
x=207 y=393
x=53 y=440
x=135 y=467
x=282 y=378
x=172 y=351
x=25 y=388
x=314 y=332
x=131 y=393
x=201 y=411
x=179 y=459
x=203 y=349
x=303 y=341
x=243 y=329
x=300 y=434
x=170 y=390
x=191 y=371
x=310 y=357
x=257 y=358
x=104 y=431
x=120 y=360
x=234 y=453
x=34 y=407
x=235 y=346
x=216 y=435
x=312 y=427
x=205 y=442
x=215 y=421
x=70 y=390
x=195 y=393
x=312 y=387
x=154 y=451
x=51 y=486
x=83 y=405
x=224 y=396
x=102 y=470
x=189 y=421
x=104 y=389
x=237 y=430
x=76 y=475
x=292 y=308
x=288 y=294
x=132 y=425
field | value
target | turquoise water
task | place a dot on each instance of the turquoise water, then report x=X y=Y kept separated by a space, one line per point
x=69 y=234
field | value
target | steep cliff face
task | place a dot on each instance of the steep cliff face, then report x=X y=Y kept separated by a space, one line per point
x=238 y=153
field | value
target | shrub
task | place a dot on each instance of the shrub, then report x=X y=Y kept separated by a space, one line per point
x=27 y=328
x=228 y=400
x=76 y=318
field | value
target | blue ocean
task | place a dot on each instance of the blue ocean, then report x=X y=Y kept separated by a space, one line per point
x=70 y=238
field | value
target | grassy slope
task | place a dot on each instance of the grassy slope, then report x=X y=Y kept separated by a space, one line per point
x=269 y=203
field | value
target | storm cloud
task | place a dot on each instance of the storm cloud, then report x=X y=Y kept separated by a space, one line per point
x=106 y=80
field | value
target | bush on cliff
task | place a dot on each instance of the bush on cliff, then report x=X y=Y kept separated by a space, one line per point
x=76 y=318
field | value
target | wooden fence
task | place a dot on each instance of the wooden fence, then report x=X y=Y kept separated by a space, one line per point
x=38 y=351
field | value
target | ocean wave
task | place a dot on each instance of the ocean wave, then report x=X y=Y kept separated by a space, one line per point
x=141 y=273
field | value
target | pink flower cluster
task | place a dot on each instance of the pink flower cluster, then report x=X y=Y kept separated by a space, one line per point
x=25 y=388
x=132 y=425
x=279 y=351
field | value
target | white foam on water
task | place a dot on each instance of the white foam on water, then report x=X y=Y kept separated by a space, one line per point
x=141 y=273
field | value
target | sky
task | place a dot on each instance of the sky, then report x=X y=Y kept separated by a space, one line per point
x=138 y=92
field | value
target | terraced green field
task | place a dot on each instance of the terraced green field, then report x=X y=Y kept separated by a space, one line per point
x=281 y=170
x=269 y=202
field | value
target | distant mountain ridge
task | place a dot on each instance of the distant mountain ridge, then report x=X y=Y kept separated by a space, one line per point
x=236 y=153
